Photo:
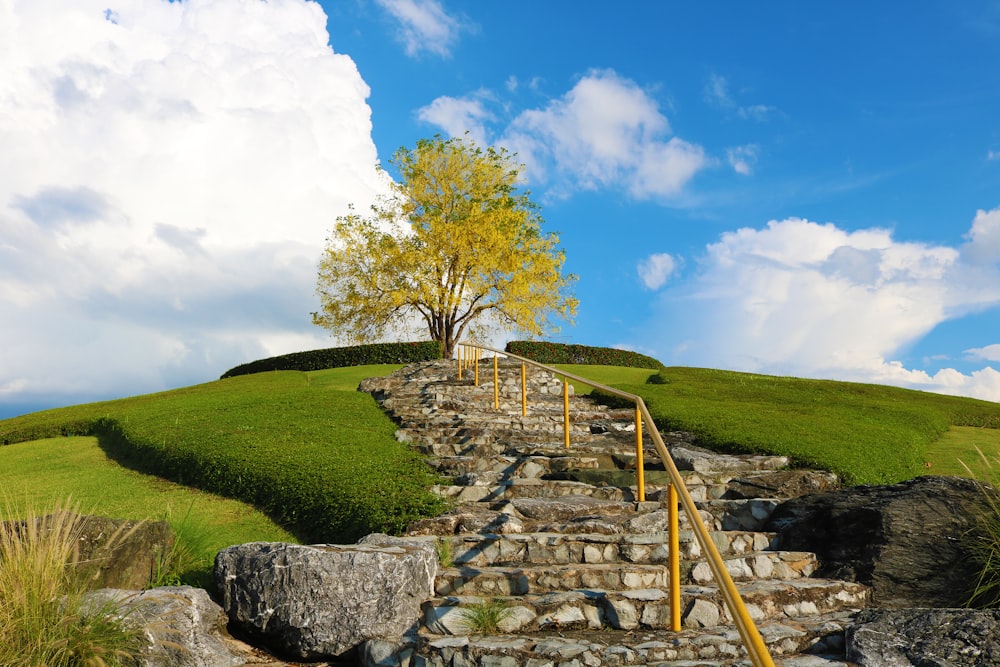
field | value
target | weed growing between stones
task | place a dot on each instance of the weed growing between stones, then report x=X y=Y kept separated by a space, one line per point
x=445 y=556
x=485 y=616
x=45 y=618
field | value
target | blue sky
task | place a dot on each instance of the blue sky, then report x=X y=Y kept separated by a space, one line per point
x=788 y=188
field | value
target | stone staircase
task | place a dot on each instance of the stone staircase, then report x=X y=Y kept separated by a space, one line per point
x=553 y=546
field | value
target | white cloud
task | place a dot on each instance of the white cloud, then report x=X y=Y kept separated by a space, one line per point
x=456 y=116
x=984 y=237
x=742 y=159
x=814 y=300
x=424 y=25
x=606 y=132
x=170 y=172
x=989 y=353
x=655 y=270
x=992 y=155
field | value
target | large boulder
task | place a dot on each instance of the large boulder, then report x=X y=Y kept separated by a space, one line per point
x=321 y=601
x=906 y=541
x=924 y=638
x=181 y=625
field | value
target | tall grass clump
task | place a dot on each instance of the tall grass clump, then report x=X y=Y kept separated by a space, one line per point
x=983 y=538
x=45 y=618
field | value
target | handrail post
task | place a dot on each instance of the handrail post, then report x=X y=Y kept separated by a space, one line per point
x=640 y=465
x=524 y=390
x=674 y=558
x=475 y=362
x=566 y=411
x=496 y=384
x=458 y=356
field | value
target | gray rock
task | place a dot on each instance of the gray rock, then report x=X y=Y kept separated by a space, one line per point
x=324 y=600
x=782 y=484
x=904 y=540
x=116 y=553
x=567 y=507
x=182 y=626
x=925 y=638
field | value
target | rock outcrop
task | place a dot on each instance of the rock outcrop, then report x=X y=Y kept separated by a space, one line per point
x=906 y=541
x=925 y=638
x=321 y=601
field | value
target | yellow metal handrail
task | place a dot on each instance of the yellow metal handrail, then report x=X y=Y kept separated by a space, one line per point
x=676 y=491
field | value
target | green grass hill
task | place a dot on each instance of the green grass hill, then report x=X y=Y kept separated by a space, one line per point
x=303 y=456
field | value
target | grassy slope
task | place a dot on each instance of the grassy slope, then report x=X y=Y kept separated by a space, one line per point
x=868 y=433
x=305 y=447
x=42 y=474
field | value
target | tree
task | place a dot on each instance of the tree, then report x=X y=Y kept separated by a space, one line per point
x=456 y=245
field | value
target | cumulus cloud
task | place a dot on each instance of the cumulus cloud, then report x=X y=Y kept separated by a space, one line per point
x=606 y=132
x=458 y=116
x=802 y=298
x=984 y=237
x=424 y=25
x=170 y=172
x=656 y=270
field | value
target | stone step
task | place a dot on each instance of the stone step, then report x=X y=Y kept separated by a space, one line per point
x=814 y=642
x=603 y=517
x=587 y=514
x=562 y=548
x=531 y=488
x=512 y=581
x=549 y=440
x=647 y=608
x=487 y=572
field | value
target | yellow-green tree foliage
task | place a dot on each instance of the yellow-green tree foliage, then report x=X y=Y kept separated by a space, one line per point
x=457 y=244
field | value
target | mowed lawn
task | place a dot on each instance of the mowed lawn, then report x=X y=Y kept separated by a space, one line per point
x=976 y=447
x=45 y=473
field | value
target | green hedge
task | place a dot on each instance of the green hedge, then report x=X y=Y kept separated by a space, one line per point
x=339 y=357
x=323 y=462
x=561 y=353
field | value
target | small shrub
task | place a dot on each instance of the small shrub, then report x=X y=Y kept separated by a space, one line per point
x=485 y=617
x=44 y=616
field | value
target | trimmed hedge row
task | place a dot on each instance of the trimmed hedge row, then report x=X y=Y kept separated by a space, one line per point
x=339 y=357
x=323 y=463
x=561 y=353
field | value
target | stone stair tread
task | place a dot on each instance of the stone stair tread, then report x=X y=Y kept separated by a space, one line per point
x=765 y=568
x=791 y=643
x=526 y=579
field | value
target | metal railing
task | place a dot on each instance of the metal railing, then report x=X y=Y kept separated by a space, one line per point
x=469 y=355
